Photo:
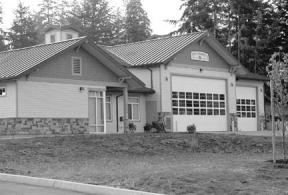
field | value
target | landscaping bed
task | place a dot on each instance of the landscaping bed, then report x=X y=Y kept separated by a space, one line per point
x=164 y=163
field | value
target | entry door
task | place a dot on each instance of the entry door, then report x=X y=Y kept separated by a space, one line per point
x=96 y=109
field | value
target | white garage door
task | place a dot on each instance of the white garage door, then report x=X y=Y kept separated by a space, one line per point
x=199 y=101
x=246 y=108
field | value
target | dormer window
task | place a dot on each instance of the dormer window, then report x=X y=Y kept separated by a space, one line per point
x=52 y=38
x=69 y=36
x=2 y=91
x=76 y=66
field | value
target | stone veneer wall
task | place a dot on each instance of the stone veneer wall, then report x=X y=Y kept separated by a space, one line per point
x=43 y=126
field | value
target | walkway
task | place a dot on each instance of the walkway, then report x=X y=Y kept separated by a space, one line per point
x=21 y=189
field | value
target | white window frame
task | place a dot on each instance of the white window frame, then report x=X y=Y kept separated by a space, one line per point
x=52 y=35
x=72 y=65
x=101 y=95
x=132 y=103
x=3 y=87
x=110 y=103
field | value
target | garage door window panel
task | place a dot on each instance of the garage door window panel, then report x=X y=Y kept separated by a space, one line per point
x=194 y=103
x=189 y=95
x=246 y=108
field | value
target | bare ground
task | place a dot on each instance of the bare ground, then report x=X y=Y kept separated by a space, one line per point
x=163 y=163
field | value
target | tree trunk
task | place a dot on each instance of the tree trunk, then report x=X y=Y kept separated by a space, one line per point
x=273 y=122
x=239 y=37
x=284 y=144
x=283 y=126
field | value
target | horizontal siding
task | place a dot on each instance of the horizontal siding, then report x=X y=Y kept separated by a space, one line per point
x=143 y=74
x=8 y=102
x=61 y=68
x=39 y=99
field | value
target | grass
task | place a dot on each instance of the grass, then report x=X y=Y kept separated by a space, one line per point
x=163 y=163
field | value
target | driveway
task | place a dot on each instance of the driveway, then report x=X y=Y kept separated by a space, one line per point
x=21 y=189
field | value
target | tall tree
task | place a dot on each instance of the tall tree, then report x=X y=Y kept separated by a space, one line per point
x=97 y=20
x=137 y=24
x=23 y=32
x=3 y=35
x=47 y=13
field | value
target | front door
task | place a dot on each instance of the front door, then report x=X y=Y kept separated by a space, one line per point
x=96 y=109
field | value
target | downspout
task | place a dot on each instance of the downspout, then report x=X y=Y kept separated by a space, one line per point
x=151 y=76
x=117 y=112
x=17 y=104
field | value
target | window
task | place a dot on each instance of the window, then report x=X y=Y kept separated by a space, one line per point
x=52 y=39
x=133 y=108
x=246 y=108
x=2 y=91
x=195 y=103
x=69 y=36
x=76 y=66
x=108 y=108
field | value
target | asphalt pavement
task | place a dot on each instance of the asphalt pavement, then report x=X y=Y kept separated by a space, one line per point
x=22 y=189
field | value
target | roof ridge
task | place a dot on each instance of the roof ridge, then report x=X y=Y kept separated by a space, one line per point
x=39 y=45
x=150 y=40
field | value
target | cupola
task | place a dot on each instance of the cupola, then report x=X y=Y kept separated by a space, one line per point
x=54 y=33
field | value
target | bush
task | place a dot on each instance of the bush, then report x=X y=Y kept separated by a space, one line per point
x=159 y=126
x=132 y=127
x=191 y=128
x=147 y=127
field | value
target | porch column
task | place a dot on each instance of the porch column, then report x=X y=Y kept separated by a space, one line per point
x=125 y=110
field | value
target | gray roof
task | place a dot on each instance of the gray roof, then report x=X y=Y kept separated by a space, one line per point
x=153 y=51
x=16 y=62
x=252 y=76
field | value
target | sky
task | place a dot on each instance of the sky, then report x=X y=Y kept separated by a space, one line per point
x=158 y=11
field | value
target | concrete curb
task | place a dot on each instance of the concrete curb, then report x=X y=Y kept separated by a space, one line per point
x=70 y=186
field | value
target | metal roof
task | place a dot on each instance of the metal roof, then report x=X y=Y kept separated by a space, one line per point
x=13 y=63
x=153 y=51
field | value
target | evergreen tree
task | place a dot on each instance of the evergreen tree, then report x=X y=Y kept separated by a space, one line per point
x=97 y=21
x=137 y=24
x=22 y=33
x=47 y=14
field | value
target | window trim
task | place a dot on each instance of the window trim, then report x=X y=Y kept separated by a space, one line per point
x=3 y=87
x=72 y=64
x=109 y=102
x=138 y=98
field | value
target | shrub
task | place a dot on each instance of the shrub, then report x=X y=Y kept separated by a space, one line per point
x=191 y=128
x=147 y=127
x=132 y=127
x=159 y=126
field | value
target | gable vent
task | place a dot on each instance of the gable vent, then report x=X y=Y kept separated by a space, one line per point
x=76 y=66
